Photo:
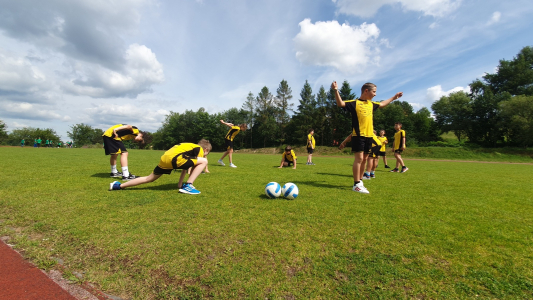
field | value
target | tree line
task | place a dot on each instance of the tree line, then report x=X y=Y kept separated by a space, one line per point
x=498 y=111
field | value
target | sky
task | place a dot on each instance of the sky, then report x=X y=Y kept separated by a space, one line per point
x=102 y=62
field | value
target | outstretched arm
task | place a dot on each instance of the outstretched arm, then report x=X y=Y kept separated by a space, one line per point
x=346 y=140
x=388 y=101
x=227 y=124
x=338 y=98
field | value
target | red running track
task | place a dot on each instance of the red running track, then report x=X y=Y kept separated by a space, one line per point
x=20 y=280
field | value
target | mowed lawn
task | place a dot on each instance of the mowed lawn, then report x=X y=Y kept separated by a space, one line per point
x=441 y=230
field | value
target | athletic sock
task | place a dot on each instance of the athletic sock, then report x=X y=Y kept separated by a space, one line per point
x=114 y=169
x=125 y=172
x=372 y=173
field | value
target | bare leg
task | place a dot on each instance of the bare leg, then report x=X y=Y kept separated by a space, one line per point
x=140 y=180
x=385 y=160
x=197 y=170
x=113 y=159
x=357 y=163
x=124 y=159
x=230 y=155
x=362 y=167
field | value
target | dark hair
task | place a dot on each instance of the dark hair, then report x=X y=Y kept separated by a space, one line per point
x=399 y=123
x=367 y=86
x=288 y=148
x=311 y=129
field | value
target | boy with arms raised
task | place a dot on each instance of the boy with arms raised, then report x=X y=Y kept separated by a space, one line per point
x=180 y=157
x=287 y=158
x=362 y=110
x=113 y=146
x=233 y=131
x=399 y=146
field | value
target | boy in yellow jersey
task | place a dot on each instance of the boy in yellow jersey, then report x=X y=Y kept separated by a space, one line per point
x=399 y=146
x=362 y=110
x=310 y=147
x=287 y=158
x=383 y=139
x=113 y=146
x=372 y=161
x=233 y=131
x=180 y=157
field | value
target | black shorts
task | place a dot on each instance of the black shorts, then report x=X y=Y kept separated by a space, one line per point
x=362 y=144
x=381 y=153
x=229 y=144
x=112 y=146
x=398 y=151
x=375 y=150
x=160 y=171
x=310 y=150
x=289 y=163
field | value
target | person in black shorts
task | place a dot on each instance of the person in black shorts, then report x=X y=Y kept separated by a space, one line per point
x=114 y=146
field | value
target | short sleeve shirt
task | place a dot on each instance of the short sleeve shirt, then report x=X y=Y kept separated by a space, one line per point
x=362 y=112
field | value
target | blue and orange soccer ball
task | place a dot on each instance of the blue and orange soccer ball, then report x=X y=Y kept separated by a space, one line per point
x=274 y=190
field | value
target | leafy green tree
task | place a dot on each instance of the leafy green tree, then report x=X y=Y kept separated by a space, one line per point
x=284 y=95
x=83 y=134
x=30 y=134
x=304 y=116
x=321 y=115
x=517 y=117
x=424 y=126
x=452 y=113
x=3 y=132
x=266 y=120
x=249 y=107
x=514 y=76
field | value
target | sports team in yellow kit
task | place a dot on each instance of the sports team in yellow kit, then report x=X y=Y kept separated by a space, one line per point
x=191 y=158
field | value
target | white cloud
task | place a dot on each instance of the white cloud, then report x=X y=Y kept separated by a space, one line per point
x=138 y=115
x=496 y=16
x=350 y=49
x=140 y=72
x=17 y=74
x=30 y=111
x=434 y=93
x=365 y=9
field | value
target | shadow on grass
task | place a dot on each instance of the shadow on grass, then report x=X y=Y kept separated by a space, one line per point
x=156 y=187
x=320 y=184
x=102 y=175
x=334 y=174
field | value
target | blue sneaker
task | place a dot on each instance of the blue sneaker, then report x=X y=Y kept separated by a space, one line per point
x=188 y=188
x=114 y=186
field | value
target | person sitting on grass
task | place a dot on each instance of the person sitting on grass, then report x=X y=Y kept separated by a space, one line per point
x=234 y=130
x=180 y=157
x=287 y=158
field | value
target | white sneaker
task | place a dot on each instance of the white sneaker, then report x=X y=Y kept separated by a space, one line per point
x=360 y=188
x=220 y=162
x=232 y=165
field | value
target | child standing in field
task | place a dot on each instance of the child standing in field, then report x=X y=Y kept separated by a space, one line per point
x=233 y=131
x=22 y=143
x=372 y=161
x=383 y=139
x=399 y=146
x=180 y=157
x=113 y=146
x=310 y=147
x=287 y=158
x=362 y=110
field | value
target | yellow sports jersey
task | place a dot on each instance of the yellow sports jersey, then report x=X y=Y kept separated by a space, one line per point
x=289 y=157
x=362 y=113
x=232 y=133
x=180 y=154
x=123 y=135
x=383 y=139
x=375 y=141
x=398 y=139
x=310 y=141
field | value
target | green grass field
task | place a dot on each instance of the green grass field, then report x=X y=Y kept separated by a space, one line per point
x=441 y=230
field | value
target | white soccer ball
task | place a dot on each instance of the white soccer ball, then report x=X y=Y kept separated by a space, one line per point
x=273 y=190
x=289 y=191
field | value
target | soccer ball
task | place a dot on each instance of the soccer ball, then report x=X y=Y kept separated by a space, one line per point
x=289 y=191
x=273 y=190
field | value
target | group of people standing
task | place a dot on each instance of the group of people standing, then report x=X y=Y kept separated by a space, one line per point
x=48 y=143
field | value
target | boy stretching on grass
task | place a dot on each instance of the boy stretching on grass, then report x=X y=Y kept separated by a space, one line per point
x=233 y=131
x=114 y=146
x=399 y=146
x=287 y=158
x=180 y=157
x=362 y=110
